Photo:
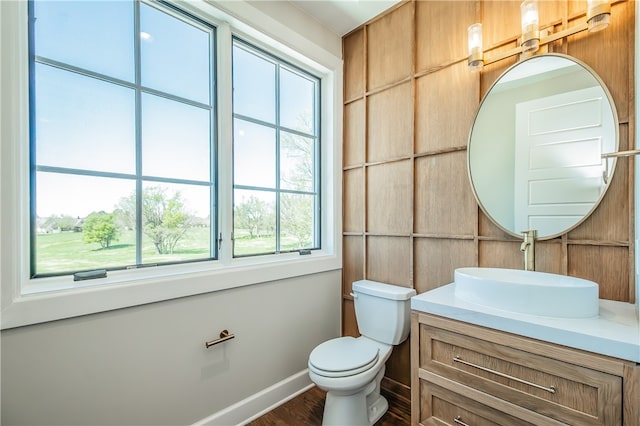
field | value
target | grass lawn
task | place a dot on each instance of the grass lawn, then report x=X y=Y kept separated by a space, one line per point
x=66 y=251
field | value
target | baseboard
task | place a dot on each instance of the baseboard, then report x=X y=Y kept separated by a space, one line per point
x=398 y=389
x=260 y=403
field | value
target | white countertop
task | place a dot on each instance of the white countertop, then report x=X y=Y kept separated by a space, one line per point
x=614 y=332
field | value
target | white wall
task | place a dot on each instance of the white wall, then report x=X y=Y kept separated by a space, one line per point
x=149 y=365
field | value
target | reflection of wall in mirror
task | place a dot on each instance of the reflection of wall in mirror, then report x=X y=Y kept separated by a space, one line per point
x=558 y=164
x=495 y=127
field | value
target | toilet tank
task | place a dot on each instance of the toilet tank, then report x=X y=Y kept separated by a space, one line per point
x=383 y=311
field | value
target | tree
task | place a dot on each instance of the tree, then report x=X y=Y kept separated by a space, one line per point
x=254 y=215
x=296 y=218
x=60 y=223
x=301 y=149
x=165 y=219
x=100 y=227
x=296 y=211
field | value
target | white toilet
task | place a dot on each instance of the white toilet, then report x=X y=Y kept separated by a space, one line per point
x=351 y=369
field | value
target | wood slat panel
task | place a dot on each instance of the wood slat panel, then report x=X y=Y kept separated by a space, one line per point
x=390 y=51
x=389 y=198
x=436 y=259
x=434 y=107
x=576 y=7
x=500 y=254
x=444 y=200
x=388 y=260
x=446 y=44
x=550 y=256
x=353 y=258
x=605 y=265
x=500 y=21
x=349 y=324
x=354 y=128
x=353 y=200
x=389 y=124
x=399 y=363
x=353 y=52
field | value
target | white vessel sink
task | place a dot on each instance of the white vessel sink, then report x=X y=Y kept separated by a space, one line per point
x=528 y=292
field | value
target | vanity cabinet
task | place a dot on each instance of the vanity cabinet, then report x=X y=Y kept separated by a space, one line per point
x=463 y=374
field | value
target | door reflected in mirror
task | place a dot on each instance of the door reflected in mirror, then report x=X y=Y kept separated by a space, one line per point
x=535 y=148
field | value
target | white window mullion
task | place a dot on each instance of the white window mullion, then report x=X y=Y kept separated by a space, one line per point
x=225 y=140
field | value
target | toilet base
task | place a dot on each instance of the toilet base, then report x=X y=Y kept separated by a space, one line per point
x=362 y=408
x=343 y=410
x=377 y=409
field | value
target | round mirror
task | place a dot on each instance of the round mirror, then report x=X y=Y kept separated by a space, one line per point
x=535 y=152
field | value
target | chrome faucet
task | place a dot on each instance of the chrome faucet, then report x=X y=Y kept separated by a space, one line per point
x=528 y=248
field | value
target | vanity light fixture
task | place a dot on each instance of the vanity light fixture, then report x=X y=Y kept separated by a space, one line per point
x=474 y=34
x=598 y=17
x=530 y=33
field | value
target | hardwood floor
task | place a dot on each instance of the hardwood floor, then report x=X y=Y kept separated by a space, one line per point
x=306 y=410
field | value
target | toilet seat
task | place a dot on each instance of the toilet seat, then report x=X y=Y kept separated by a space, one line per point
x=344 y=356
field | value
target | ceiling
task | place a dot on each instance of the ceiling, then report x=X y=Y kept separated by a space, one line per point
x=342 y=16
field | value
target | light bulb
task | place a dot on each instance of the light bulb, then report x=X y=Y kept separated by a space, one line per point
x=598 y=14
x=530 y=33
x=474 y=34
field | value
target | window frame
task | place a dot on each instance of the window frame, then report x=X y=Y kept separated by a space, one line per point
x=55 y=298
x=278 y=128
x=137 y=176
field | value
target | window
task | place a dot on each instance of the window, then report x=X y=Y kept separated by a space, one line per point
x=104 y=102
x=123 y=132
x=276 y=200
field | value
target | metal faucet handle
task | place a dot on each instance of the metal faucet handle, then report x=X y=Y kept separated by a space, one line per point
x=528 y=248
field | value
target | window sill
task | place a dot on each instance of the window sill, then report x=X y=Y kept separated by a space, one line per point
x=122 y=289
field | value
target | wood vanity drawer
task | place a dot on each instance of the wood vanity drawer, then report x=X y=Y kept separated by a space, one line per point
x=441 y=407
x=556 y=389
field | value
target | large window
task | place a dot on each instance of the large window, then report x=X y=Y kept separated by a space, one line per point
x=124 y=160
x=155 y=149
x=276 y=145
x=123 y=148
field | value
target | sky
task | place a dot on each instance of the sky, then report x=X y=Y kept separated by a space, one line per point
x=88 y=124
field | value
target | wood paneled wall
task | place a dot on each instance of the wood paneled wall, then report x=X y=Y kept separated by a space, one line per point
x=410 y=217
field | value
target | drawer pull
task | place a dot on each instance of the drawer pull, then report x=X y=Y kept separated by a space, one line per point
x=459 y=421
x=550 y=389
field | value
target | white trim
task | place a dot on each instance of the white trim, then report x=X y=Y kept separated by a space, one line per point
x=260 y=403
x=148 y=285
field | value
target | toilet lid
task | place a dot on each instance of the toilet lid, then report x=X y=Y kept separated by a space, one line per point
x=343 y=356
